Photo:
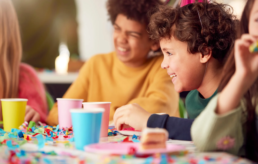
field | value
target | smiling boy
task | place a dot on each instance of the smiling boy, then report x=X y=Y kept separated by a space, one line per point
x=129 y=74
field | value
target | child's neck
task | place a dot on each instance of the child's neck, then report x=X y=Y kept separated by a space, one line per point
x=211 y=79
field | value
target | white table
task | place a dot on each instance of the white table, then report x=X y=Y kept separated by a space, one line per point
x=54 y=78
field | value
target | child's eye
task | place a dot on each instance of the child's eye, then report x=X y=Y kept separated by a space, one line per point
x=134 y=35
x=169 y=54
x=116 y=28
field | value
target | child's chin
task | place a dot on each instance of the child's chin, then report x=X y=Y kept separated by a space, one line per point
x=178 y=89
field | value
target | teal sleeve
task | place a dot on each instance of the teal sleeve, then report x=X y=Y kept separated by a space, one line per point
x=209 y=130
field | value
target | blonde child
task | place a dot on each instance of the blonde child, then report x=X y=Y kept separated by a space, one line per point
x=17 y=79
x=129 y=74
x=195 y=40
x=229 y=122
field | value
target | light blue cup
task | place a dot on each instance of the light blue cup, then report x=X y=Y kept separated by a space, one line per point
x=86 y=126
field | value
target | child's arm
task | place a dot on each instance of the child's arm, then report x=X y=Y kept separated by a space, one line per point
x=213 y=132
x=31 y=88
x=245 y=75
x=136 y=117
x=219 y=126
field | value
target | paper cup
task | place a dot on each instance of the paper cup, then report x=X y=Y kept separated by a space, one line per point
x=13 y=111
x=64 y=115
x=105 y=118
x=86 y=126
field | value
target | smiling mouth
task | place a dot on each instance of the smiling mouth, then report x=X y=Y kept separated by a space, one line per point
x=172 y=76
x=122 y=49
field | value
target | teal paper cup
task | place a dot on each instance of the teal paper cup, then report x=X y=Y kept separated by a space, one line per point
x=86 y=126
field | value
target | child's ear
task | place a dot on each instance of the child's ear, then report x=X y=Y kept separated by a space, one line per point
x=205 y=58
x=155 y=46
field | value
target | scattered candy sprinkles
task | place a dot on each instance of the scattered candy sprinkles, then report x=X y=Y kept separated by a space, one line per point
x=11 y=151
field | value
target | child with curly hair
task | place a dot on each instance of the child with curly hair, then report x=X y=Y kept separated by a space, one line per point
x=229 y=122
x=195 y=40
x=129 y=74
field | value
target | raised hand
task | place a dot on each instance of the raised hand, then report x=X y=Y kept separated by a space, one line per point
x=246 y=62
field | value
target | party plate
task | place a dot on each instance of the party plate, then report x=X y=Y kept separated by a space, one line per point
x=123 y=148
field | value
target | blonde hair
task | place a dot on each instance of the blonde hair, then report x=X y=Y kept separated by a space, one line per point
x=10 y=50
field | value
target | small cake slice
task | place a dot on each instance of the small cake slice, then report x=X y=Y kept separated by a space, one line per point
x=153 y=138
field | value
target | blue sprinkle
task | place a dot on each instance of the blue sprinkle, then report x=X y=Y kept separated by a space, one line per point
x=32 y=129
x=134 y=137
x=202 y=162
x=135 y=140
x=15 y=130
x=148 y=160
x=11 y=146
x=57 y=128
x=116 y=132
x=47 y=161
x=41 y=141
x=23 y=153
x=20 y=134
x=12 y=136
x=49 y=139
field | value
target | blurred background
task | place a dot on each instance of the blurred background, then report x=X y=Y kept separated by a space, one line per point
x=58 y=36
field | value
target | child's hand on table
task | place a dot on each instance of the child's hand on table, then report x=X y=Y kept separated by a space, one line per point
x=132 y=115
x=31 y=114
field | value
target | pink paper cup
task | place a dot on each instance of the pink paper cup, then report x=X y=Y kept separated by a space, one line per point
x=64 y=116
x=105 y=117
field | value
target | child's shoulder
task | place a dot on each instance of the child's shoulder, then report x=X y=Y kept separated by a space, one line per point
x=26 y=70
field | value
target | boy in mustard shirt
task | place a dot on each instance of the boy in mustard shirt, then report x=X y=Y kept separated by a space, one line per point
x=129 y=74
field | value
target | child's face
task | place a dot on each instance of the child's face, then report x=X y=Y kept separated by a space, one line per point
x=187 y=69
x=253 y=21
x=131 y=41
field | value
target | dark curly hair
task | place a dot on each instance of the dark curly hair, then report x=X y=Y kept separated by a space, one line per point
x=138 y=10
x=204 y=26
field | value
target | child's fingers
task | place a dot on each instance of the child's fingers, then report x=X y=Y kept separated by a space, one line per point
x=36 y=117
x=249 y=38
x=119 y=112
x=29 y=115
x=119 y=123
x=27 y=109
x=118 y=116
x=240 y=44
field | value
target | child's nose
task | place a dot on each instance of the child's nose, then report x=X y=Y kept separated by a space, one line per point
x=164 y=65
x=122 y=38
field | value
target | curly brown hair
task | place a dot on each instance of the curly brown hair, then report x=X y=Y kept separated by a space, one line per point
x=204 y=26
x=138 y=10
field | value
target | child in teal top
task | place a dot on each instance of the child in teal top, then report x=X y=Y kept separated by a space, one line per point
x=229 y=122
x=195 y=40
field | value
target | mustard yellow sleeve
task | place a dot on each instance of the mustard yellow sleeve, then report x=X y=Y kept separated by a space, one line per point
x=78 y=90
x=161 y=96
x=212 y=132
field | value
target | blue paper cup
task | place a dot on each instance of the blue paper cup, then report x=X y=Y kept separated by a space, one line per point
x=86 y=126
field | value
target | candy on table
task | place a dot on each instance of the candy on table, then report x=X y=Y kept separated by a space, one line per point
x=254 y=47
x=31 y=124
x=24 y=125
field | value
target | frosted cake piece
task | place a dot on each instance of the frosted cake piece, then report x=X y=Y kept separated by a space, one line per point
x=153 y=138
